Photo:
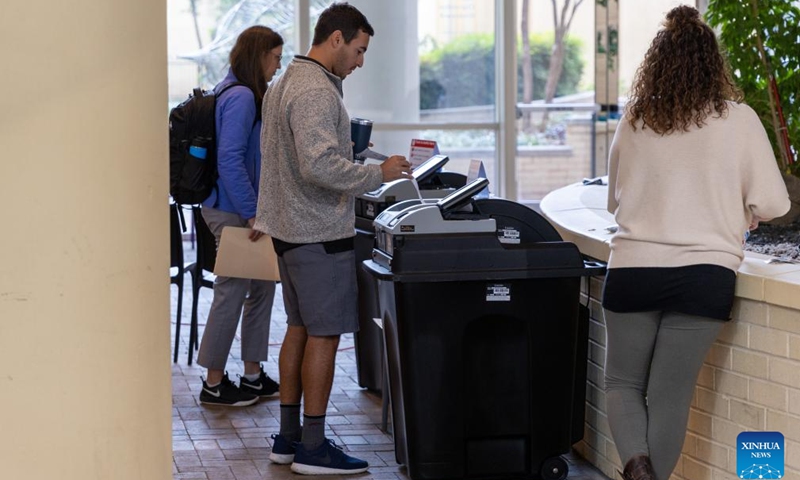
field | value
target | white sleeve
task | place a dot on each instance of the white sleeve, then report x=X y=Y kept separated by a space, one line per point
x=613 y=167
x=764 y=189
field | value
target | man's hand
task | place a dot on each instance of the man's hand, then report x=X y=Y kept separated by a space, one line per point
x=254 y=234
x=395 y=167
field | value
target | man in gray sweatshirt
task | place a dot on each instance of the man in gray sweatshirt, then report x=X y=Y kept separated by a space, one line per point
x=306 y=203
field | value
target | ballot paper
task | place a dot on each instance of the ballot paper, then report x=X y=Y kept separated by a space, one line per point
x=422 y=150
x=368 y=153
x=240 y=257
x=372 y=161
x=476 y=170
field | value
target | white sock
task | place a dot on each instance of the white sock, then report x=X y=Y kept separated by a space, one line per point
x=252 y=377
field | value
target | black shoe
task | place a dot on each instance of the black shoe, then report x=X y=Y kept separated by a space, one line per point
x=226 y=394
x=262 y=387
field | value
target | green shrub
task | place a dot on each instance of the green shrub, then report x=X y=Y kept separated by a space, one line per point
x=461 y=73
x=778 y=26
x=541 y=47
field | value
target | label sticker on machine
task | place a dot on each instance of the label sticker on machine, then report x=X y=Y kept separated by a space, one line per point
x=498 y=292
x=407 y=228
x=508 y=235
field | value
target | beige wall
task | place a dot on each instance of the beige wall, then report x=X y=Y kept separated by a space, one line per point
x=84 y=299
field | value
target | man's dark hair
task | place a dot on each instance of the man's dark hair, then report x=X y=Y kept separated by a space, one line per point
x=343 y=17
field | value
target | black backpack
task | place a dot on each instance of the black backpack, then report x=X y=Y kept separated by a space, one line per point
x=193 y=147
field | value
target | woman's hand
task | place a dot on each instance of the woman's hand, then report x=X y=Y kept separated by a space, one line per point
x=254 y=234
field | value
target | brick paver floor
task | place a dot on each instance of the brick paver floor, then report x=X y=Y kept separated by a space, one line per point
x=218 y=443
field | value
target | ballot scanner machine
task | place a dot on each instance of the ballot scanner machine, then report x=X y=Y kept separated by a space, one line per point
x=427 y=180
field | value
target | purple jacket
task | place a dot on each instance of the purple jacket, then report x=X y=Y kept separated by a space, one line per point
x=238 y=151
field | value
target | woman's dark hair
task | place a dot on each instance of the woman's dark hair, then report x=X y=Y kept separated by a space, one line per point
x=684 y=77
x=245 y=58
x=343 y=17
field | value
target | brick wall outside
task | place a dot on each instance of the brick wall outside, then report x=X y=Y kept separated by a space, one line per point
x=542 y=169
x=750 y=382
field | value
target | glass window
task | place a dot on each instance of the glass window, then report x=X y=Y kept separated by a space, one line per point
x=457 y=61
x=555 y=95
x=561 y=135
x=430 y=62
x=201 y=35
x=430 y=73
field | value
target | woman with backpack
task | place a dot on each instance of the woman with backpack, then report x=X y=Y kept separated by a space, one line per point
x=254 y=59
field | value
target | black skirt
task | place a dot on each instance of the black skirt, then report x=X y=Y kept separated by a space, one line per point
x=702 y=290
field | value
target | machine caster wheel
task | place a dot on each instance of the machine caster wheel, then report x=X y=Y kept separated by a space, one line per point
x=554 y=468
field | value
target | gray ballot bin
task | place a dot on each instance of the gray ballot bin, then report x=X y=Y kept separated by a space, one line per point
x=432 y=182
x=485 y=337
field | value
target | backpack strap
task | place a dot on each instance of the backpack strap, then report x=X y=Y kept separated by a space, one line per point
x=232 y=84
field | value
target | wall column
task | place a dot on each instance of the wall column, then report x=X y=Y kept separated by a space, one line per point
x=84 y=305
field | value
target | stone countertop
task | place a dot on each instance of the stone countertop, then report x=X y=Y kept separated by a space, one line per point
x=579 y=214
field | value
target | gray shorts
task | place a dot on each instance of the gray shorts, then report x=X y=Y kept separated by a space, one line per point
x=319 y=290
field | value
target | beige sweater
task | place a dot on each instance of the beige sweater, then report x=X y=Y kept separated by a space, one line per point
x=687 y=198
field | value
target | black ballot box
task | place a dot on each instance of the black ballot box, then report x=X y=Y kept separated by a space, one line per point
x=368 y=340
x=485 y=342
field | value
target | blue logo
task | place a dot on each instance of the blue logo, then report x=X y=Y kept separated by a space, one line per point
x=759 y=455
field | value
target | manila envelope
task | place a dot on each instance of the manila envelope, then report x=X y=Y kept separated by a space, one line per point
x=240 y=257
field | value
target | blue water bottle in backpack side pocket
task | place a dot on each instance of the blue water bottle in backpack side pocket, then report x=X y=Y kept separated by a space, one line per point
x=198 y=148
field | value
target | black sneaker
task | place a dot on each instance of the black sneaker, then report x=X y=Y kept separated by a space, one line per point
x=326 y=459
x=263 y=387
x=226 y=394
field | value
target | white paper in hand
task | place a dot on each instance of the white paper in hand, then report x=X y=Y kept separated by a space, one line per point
x=240 y=257
x=373 y=155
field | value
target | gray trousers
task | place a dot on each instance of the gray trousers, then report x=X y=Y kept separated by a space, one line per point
x=232 y=296
x=652 y=363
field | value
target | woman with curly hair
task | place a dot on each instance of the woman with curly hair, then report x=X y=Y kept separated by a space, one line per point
x=690 y=170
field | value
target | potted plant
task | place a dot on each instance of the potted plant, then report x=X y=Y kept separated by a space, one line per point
x=761 y=41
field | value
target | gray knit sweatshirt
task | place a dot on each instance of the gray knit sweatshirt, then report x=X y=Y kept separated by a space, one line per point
x=308 y=178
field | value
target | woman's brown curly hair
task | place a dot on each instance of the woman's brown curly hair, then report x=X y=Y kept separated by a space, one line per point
x=683 y=79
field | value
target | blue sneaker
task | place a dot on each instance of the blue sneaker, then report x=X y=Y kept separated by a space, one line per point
x=326 y=459
x=282 y=450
